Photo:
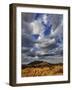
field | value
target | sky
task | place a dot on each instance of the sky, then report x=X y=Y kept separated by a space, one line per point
x=42 y=34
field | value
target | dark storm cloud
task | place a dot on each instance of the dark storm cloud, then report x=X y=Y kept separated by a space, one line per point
x=28 y=17
x=55 y=19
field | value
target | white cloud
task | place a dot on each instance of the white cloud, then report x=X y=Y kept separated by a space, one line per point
x=57 y=31
x=46 y=42
x=36 y=26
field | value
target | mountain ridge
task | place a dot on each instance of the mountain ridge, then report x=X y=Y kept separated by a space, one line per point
x=39 y=64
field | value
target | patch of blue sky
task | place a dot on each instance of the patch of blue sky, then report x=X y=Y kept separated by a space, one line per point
x=35 y=37
x=38 y=15
x=47 y=30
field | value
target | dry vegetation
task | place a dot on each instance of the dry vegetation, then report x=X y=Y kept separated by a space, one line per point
x=44 y=70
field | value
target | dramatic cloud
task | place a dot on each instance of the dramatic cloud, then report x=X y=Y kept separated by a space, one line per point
x=42 y=34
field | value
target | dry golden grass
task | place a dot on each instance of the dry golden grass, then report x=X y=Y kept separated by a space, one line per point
x=42 y=71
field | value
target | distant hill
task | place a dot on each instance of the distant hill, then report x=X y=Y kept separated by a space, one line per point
x=39 y=64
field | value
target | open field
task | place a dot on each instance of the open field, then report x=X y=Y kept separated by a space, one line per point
x=41 y=68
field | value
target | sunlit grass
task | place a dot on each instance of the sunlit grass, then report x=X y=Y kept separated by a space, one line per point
x=42 y=71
